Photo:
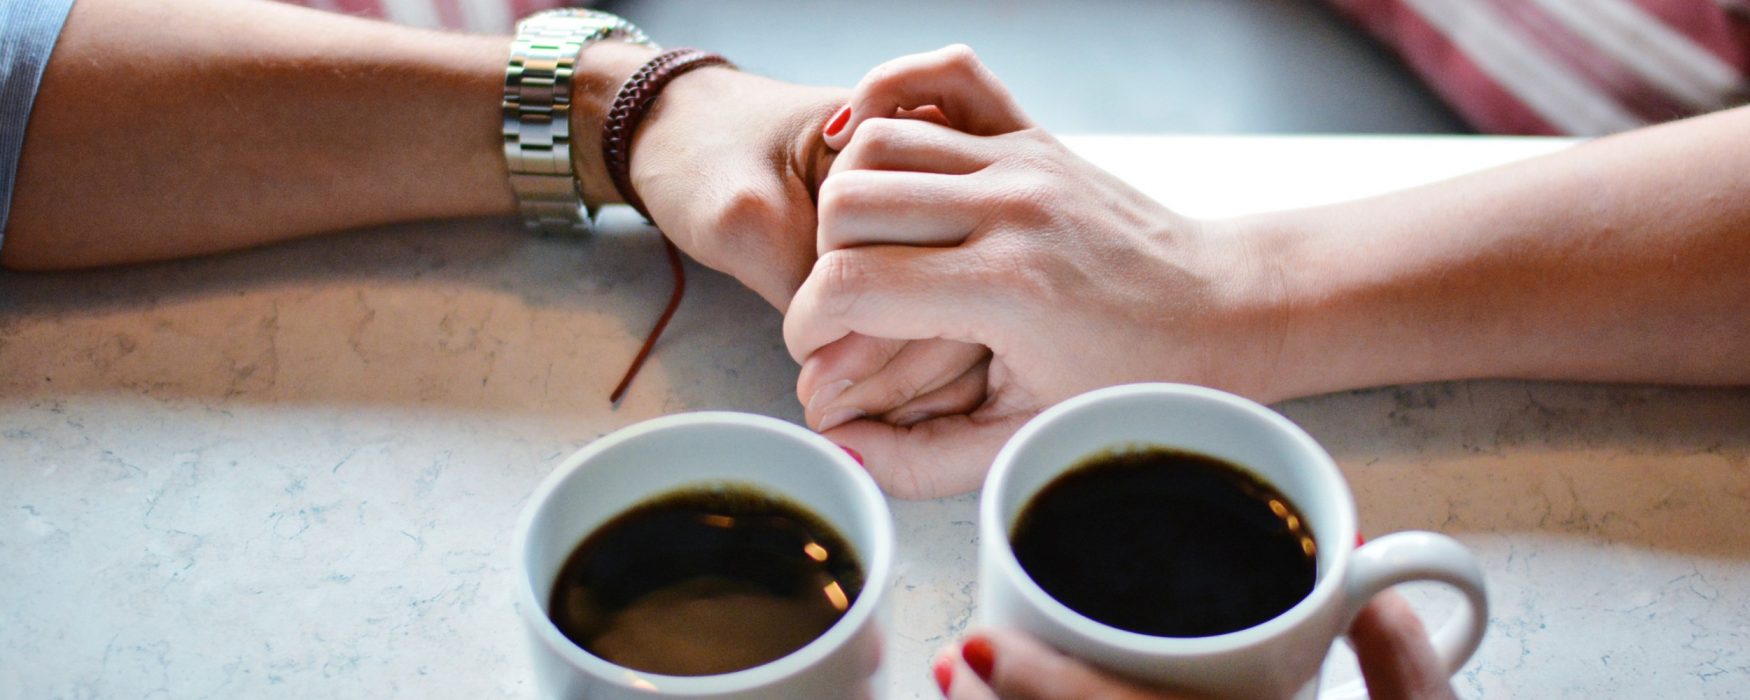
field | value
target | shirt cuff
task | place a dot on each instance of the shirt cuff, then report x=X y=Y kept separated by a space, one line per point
x=28 y=30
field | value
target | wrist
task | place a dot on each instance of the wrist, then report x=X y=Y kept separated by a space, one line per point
x=691 y=112
x=1259 y=309
x=602 y=68
x=728 y=164
x=1337 y=317
x=662 y=136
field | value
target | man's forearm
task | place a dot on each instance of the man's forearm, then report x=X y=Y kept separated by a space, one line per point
x=1626 y=259
x=171 y=129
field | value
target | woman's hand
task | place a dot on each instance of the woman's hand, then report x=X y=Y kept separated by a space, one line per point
x=1003 y=664
x=1397 y=663
x=1070 y=277
x=903 y=382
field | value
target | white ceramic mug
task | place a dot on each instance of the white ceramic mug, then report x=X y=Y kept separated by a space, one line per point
x=1279 y=658
x=659 y=456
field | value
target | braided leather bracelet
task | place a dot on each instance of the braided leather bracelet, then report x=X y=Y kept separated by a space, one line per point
x=630 y=105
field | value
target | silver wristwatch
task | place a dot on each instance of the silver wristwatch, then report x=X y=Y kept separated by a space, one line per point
x=537 y=112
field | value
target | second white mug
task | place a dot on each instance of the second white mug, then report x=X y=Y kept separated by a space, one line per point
x=1279 y=658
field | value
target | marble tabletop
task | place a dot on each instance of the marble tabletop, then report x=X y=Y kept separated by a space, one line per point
x=293 y=472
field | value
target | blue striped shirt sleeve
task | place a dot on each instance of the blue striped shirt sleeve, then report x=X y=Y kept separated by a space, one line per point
x=28 y=29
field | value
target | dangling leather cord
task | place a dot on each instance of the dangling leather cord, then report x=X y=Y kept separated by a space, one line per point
x=630 y=106
x=674 y=302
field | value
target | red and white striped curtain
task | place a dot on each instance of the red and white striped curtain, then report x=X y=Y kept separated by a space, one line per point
x=1583 y=67
x=483 y=16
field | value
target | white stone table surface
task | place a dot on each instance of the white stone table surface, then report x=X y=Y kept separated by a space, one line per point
x=293 y=472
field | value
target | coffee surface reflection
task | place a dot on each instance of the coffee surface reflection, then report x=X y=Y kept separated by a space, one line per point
x=705 y=581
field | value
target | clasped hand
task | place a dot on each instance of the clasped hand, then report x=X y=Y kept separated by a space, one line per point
x=973 y=271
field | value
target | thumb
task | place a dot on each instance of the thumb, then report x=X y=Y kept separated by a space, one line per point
x=1397 y=661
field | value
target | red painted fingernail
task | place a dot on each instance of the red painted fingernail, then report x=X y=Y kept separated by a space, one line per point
x=980 y=656
x=854 y=454
x=839 y=121
x=944 y=670
x=1360 y=539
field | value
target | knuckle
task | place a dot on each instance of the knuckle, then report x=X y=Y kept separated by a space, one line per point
x=873 y=143
x=1029 y=198
x=836 y=199
x=959 y=57
x=877 y=133
x=843 y=197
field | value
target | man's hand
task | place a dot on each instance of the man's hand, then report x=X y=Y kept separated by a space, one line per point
x=728 y=164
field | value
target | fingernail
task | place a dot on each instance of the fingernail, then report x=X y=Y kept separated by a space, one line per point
x=910 y=419
x=980 y=656
x=839 y=121
x=838 y=417
x=854 y=454
x=825 y=395
x=1360 y=539
x=944 y=671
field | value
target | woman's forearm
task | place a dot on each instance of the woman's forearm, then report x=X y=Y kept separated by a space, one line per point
x=1625 y=259
x=165 y=129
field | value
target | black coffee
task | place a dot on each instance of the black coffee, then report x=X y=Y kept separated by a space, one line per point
x=705 y=581
x=1166 y=543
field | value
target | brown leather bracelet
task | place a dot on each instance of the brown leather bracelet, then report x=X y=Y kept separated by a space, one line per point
x=633 y=102
x=630 y=105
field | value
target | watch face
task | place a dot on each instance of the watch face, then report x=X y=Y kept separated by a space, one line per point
x=587 y=25
x=575 y=19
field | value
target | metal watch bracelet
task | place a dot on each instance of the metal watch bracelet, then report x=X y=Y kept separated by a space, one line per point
x=537 y=113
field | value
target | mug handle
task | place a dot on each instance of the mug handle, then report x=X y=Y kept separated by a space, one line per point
x=1402 y=557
